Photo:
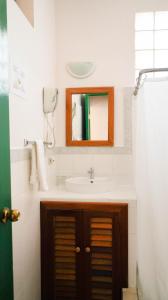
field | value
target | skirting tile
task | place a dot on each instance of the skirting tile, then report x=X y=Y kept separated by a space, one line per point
x=19 y=155
x=130 y=294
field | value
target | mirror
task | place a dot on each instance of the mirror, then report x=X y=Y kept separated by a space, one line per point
x=90 y=116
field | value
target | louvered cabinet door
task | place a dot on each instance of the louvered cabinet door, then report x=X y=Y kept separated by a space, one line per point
x=103 y=255
x=62 y=264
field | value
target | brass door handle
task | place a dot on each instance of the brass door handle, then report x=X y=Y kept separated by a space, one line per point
x=77 y=249
x=5 y=215
x=12 y=215
x=87 y=249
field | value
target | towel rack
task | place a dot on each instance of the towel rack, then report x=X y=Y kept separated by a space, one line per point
x=26 y=143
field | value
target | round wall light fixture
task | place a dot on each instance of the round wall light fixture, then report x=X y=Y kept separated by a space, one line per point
x=80 y=69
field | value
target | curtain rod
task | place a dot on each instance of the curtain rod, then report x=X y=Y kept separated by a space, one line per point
x=144 y=71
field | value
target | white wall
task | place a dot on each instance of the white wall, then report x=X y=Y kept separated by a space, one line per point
x=34 y=51
x=98 y=31
x=28 y=8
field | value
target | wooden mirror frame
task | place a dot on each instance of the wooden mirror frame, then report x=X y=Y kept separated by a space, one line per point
x=88 y=90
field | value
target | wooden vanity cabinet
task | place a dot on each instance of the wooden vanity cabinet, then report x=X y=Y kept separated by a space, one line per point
x=84 y=250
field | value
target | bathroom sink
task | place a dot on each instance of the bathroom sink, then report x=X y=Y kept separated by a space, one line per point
x=86 y=185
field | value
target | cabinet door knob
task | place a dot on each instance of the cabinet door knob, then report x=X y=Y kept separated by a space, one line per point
x=87 y=250
x=77 y=249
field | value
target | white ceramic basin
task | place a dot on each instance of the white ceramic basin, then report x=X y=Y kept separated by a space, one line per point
x=85 y=185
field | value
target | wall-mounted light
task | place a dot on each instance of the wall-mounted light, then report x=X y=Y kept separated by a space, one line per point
x=80 y=69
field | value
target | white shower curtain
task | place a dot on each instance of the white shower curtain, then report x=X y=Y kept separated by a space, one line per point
x=151 y=173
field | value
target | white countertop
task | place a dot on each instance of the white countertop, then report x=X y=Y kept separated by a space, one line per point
x=121 y=194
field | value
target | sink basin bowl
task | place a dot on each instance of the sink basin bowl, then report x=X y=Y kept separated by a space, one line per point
x=85 y=185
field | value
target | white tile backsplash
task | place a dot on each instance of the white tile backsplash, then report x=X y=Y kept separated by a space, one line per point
x=26 y=234
x=79 y=164
x=123 y=164
x=132 y=220
x=132 y=274
x=20 y=172
x=103 y=164
x=132 y=241
x=132 y=247
x=117 y=167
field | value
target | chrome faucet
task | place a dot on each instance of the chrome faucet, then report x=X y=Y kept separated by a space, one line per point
x=91 y=173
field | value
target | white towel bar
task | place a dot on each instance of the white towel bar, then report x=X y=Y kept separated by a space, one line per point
x=26 y=143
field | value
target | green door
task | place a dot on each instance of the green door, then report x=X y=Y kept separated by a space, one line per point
x=6 y=272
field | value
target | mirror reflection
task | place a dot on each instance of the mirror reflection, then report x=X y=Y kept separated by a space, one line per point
x=90 y=117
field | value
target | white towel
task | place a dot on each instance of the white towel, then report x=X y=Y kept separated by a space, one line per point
x=38 y=168
x=33 y=174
